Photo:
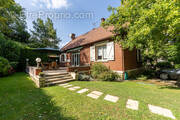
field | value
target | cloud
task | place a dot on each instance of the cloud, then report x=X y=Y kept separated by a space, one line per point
x=51 y=4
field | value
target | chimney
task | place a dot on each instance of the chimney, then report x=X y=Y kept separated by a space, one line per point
x=73 y=36
x=102 y=20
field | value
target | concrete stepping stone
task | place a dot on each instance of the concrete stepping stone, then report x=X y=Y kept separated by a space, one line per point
x=95 y=94
x=74 y=88
x=66 y=86
x=161 y=111
x=111 y=98
x=82 y=91
x=63 y=84
x=132 y=104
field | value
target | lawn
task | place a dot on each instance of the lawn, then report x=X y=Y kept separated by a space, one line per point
x=21 y=100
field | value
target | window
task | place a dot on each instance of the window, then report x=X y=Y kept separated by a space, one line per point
x=63 y=57
x=75 y=59
x=101 y=52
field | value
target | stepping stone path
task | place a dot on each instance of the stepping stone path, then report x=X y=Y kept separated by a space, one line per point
x=82 y=91
x=111 y=98
x=132 y=104
x=74 y=88
x=161 y=111
x=63 y=84
x=95 y=94
x=66 y=86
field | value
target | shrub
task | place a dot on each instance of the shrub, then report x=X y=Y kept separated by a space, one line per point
x=5 y=67
x=177 y=66
x=97 y=69
x=14 y=65
x=108 y=76
x=84 y=77
x=10 y=50
x=163 y=65
x=31 y=54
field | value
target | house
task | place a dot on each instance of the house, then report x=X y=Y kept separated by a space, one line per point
x=97 y=45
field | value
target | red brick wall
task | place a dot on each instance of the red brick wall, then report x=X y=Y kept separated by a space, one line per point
x=116 y=64
x=85 y=55
x=130 y=61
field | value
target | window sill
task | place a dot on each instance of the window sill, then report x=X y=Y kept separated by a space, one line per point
x=101 y=60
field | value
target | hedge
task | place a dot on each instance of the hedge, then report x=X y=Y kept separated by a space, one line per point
x=5 y=67
x=29 y=53
x=17 y=53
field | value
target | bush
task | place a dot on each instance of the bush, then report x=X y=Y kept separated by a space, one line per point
x=5 y=67
x=84 y=77
x=108 y=76
x=31 y=54
x=177 y=66
x=10 y=50
x=14 y=65
x=164 y=65
x=97 y=69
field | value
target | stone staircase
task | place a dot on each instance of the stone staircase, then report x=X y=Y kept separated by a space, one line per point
x=57 y=77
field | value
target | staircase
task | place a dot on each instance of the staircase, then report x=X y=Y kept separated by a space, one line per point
x=57 y=77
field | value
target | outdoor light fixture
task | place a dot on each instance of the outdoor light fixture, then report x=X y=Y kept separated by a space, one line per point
x=38 y=60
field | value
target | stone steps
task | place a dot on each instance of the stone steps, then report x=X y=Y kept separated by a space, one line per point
x=57 y=77
x=58 y=82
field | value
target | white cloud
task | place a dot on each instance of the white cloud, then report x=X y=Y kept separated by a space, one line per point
x=54 y=4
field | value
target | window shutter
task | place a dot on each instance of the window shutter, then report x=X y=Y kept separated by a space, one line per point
x=110 y=50
x=92 y=53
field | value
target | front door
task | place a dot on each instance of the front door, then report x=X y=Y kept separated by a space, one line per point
x=75 y=59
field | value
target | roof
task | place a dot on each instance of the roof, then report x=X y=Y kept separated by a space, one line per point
x=47 y=49
x=95 y=35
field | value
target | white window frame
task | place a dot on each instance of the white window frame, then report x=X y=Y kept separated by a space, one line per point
x=103 y=47
x=76 y=57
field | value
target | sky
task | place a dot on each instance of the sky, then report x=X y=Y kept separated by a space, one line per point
x=68 y=16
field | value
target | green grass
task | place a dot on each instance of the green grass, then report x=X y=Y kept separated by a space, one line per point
x=21 y=100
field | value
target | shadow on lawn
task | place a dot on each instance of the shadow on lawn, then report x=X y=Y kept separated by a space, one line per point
x=170 y=87
x=20 y=99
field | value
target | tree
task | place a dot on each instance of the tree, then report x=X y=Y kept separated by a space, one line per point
x=44 y=34
x=149 y=25
x=12 y=21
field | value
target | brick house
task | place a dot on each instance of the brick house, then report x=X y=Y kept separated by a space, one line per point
x=97 y=46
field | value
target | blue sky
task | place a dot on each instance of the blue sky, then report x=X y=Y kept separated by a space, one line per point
x=69 y=16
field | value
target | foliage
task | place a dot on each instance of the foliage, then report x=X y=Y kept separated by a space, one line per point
x=177 y=66
x=44 y=34
x=14 y=65
x=97 y=69
x=164 y=65
x=149 y=25
x=31 y=54
x=12 y=19
x=108 y=76
x=10 y=50
x=4 y=67
x=84 y=77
